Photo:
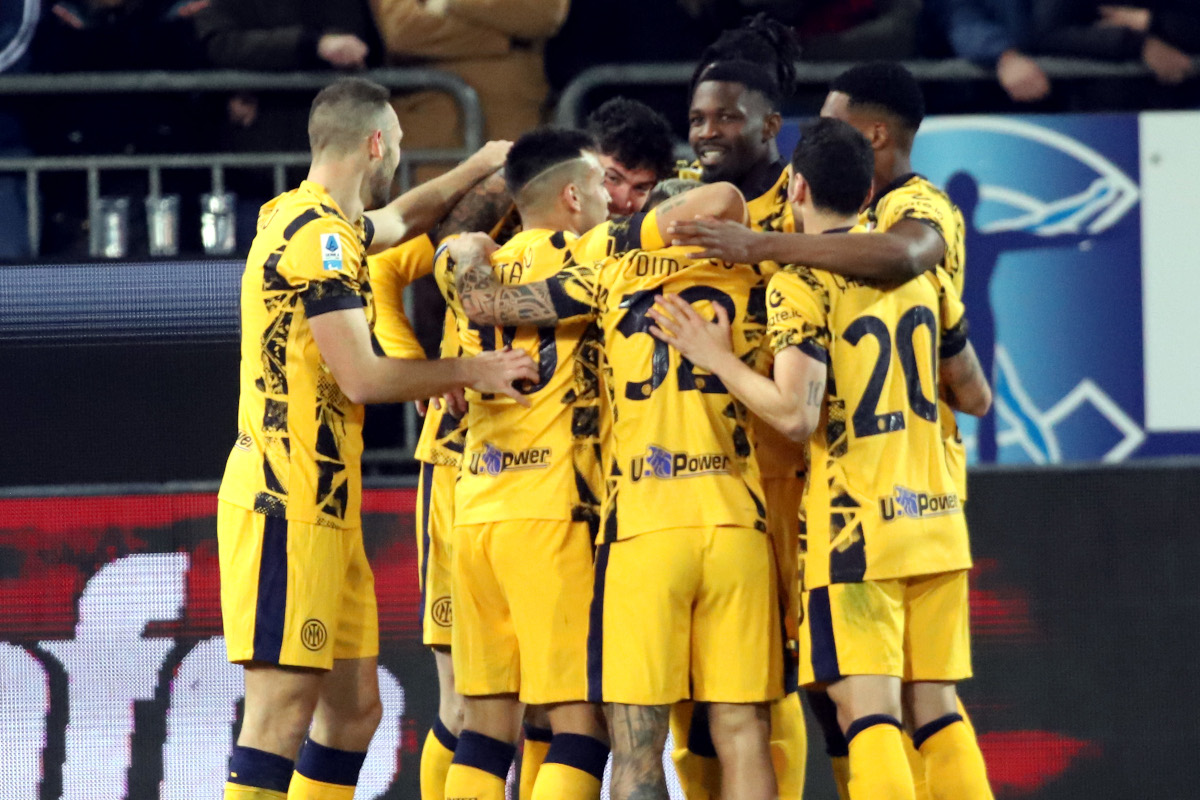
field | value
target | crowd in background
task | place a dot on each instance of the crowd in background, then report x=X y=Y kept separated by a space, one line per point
x=517 y=54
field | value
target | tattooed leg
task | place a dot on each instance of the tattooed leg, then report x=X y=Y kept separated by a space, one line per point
x=638 y=735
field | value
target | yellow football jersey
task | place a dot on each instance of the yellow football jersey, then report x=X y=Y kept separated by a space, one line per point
x=681 y=453
x=443 y=434
x=913 y=197
x=778 y=457
x=299 y=446
x=391 y=271
x=880 y=499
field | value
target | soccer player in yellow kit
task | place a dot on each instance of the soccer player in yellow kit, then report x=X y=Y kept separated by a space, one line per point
x=686 y=597
x=888 y=550
x=297 y=594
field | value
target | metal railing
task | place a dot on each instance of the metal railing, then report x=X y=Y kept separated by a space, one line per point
x=809 y=73
x=217 y=163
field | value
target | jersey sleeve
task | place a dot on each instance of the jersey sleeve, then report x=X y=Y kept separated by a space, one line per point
x=323 y=261
x=919 y=203
x=575 y=290
x=798 y=313
x=443 y=272
x=391 y=271
x=953 y=316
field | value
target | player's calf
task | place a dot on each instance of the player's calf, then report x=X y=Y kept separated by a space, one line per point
x=741 y=733
x=638 y=735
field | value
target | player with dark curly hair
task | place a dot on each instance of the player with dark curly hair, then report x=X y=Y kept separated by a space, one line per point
x=636 y=149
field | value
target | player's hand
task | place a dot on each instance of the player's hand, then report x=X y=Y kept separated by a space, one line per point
x=494 y=372
x=1021 y=77
x=1168 y=63
x=422 y=406
x=455 y=403
x=343 y=50
x=727 y=240
x=1131 y=17
x=679 y=325
x=471 y=247
x=490 y=157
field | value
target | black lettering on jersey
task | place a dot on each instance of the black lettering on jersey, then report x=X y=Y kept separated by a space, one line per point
x=648 y=265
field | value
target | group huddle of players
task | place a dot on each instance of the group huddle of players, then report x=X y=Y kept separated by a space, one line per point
x=737 y=473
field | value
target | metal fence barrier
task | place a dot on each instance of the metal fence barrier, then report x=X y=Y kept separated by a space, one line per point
x=808 y=73
x=217 y=163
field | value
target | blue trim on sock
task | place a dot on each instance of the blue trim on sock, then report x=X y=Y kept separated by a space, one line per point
x=580 y=752
x=825 y=712
x=272 y=591
x=870 y=721
x=922 y=734
x=260 y=769
x=440 y=732
x=699 y=740
x=535 y=734
x=595 y=637
x=484 y=753
x=328 y=765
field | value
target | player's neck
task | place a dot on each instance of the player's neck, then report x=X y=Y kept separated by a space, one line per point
x=556 y=219
x=344 y=185
x=819 y=221
x=895 y=165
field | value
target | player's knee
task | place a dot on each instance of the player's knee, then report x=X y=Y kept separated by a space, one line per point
x=739 y=725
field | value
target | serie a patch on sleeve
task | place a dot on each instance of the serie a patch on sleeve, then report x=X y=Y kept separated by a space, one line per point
x=331 y=251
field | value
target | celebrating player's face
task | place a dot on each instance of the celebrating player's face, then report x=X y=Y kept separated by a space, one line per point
x=627 y=188
x=593 y=196
x=380 y=182
x=727 y=130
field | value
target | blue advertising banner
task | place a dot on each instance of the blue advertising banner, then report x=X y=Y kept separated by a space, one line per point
x=1054 y=209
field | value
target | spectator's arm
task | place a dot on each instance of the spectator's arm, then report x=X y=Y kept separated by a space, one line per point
x=1068 y=28
x=520 y=19
x=892 y=34
x=231 y=43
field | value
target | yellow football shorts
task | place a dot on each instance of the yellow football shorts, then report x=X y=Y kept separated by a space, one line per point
x=916 y=629
x=686 y=607
x=435 y=527
x=292 y=593
x=521 y=591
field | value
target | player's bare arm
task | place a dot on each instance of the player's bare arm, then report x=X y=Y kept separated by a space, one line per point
x=963 y=384
x=716 y=201
x=790 y=403
x=482 y=208
x=344 y=340
x=638 y=734
x=484 y=299
x=904 y=251
x=416 y=211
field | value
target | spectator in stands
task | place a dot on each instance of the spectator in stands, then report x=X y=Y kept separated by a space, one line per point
x=1164 y=34
x=636 y=151
x=17 y=23
x=494 y=45
x=856 y=30
x=995 y=34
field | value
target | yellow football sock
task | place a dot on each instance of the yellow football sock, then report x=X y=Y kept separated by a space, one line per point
x=699 y=772
x=480 y=767
x=257 y=775
x=325 y=773
x=916 y=766
x=789 y=746
x=533 y=753
x=236 y=791
x=573 y=769
x=436 y=756
x=954 y=767
x=878 y=768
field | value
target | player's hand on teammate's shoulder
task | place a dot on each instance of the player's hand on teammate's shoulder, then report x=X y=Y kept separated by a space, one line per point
x=469 y=248
x=730 y=241
x=490 y=157
x=495 y=372
x=702 y=342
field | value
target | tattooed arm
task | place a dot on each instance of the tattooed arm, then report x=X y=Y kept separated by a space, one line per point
x=484 y=207
x=638 y=734
x=963 y=384
x=486 y=301
x=790 y=403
